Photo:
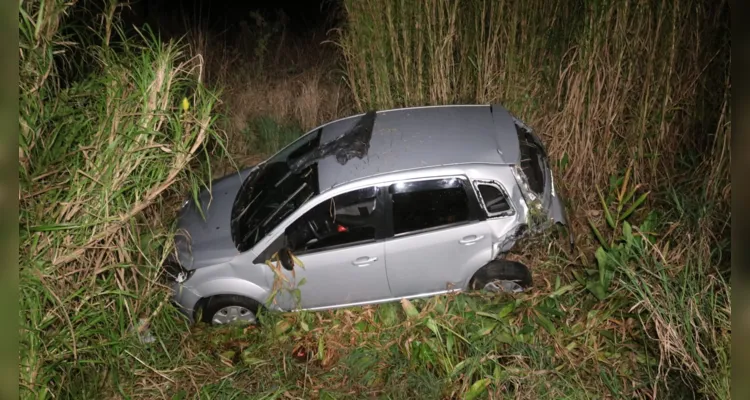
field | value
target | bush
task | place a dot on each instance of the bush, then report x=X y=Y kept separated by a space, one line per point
x=102 y=151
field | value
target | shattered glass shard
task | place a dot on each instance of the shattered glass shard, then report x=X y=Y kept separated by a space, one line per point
x=353 y=143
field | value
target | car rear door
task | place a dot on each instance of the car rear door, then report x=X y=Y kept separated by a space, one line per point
x=438 y=236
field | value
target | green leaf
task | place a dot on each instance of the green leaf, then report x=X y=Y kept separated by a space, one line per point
x=527 y=329
x=630 y=194
x=506 y=310
x=477 y=388
x=504 y=337
x=601 y=259
x=409 y=309
x=283 y=326
x=227 y=355
x=607 y=215
x=635 y=205
x=304 y=326
x=546 y=323
x=321 y=348
x=430 y=323
x=627 y=231
x=578 y=277
x=488 y=315
x=180 y=395
x=461 y=366
x=550 y=311
x=562 y=290
x=487 y=330
x=448 y=328
x=387 y=314
x=597 y=289
x=598 y=235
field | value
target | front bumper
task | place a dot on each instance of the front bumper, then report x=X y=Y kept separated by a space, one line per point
x=185 y=300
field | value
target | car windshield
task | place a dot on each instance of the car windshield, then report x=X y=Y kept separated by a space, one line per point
x=272 y=193
x=289 y=179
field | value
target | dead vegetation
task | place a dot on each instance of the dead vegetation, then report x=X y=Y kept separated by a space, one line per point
x=639 y=310
x=293 y=81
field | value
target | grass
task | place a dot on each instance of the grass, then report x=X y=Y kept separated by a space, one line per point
x=266 y=74
x=616 y=89
x=100 y=156
x=267 y=136
x=631 y=98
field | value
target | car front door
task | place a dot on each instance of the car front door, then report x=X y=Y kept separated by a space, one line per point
x=340 y=244
x=438 y=237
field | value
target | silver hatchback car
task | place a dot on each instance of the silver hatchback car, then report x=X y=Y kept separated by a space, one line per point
x=377 y=207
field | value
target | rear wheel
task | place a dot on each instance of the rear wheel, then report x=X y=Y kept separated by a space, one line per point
x=227 y=309
x=502 y=276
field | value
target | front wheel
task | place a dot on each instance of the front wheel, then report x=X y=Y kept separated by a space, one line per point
x=227 y=309
x=502 y=276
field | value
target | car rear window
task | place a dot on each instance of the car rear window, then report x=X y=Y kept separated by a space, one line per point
x=531 y=160
x=428 y=204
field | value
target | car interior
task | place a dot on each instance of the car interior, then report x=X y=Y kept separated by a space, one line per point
x=340 y=220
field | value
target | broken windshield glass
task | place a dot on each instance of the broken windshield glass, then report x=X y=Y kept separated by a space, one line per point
x=353 y=143
x=271 y=194
x=289 y=180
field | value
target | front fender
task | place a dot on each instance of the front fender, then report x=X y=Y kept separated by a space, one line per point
x=234 y=286
x=188 y=296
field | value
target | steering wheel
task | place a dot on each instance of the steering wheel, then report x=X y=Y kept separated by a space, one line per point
x=314 y=229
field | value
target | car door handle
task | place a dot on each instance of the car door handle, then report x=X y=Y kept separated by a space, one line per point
x=364 y=261
x=471 y=239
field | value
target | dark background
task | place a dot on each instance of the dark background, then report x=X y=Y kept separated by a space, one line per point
x=174 y=17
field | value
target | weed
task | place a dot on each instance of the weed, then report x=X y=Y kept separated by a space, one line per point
x=612 y=86
x=268 y=136
x=100 y=156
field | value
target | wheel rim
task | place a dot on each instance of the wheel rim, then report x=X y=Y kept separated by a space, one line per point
x=503 y=286
x=232 y=314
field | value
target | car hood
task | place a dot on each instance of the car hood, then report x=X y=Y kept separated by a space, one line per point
x=203 y=236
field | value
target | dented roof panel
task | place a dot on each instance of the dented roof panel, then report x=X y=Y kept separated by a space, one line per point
x=422 y=137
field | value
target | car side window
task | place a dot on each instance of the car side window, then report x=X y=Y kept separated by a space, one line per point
x=495 y=201
x=348 y=218
x=429 y=204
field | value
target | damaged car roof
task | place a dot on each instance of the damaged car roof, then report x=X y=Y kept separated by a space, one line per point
x=395 y=140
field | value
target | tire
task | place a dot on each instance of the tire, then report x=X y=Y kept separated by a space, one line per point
x=242 y=309
x=501 y=270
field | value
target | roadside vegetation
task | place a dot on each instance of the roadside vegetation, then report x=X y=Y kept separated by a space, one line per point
x=631 y=98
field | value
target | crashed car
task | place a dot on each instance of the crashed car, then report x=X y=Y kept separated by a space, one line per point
x=377 y=207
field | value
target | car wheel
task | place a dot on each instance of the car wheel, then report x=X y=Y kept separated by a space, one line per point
x=502 y=276
x=227 y=309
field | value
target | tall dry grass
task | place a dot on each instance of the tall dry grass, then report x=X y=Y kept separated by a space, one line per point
x=609 y=85
x=603 y=82
x=264 y=72
x=101 y=156
x=435 y=52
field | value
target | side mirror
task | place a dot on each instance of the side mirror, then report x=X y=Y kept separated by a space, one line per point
x=286 y=259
